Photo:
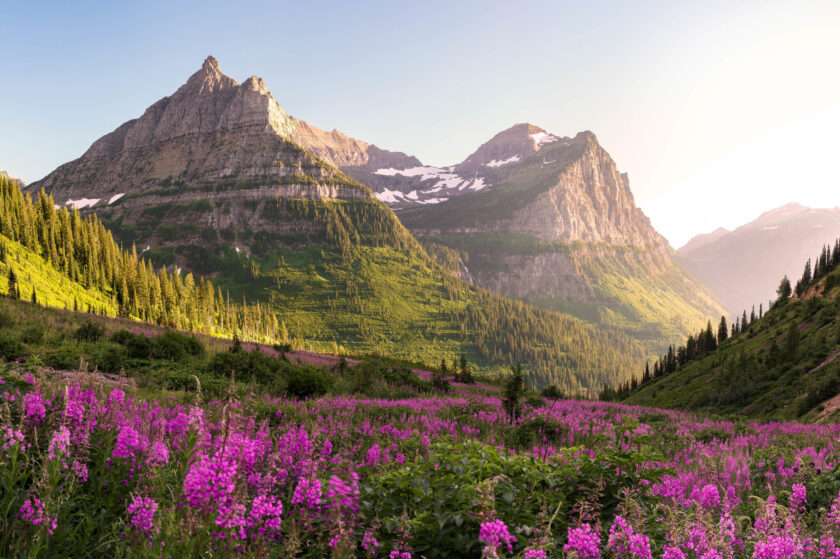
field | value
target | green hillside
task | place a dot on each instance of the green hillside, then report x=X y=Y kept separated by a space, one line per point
x=346 y=273
x=349 y=277
x=782 y=365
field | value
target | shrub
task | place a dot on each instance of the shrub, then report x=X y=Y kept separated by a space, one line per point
x=33 y=334
x=89 y=332
x=108 y=358
x=136 y=345
x=175 y=346
x=65 y=357
x=11 y=348
x=249 y=366
x=307 y=382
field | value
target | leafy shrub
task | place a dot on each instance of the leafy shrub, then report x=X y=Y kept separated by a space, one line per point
x=249 y=366
x=136 y=345
x=175 y=346
x=108 y=358
x=307 y=382
x=89 y=332
x=11 y=348
x=32 y=334
x=65 y=357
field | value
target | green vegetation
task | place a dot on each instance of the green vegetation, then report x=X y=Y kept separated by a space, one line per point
x=638 y=292
x=780 y=364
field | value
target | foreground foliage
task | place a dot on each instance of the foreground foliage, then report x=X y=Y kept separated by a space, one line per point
x=97 y=471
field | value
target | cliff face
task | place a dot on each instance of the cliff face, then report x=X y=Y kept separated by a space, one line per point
x=556 y=224
x=212 y=134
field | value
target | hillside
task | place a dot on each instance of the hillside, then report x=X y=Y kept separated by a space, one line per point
x=211 y=180
x=556 y=225
x=782 y=365
x=743 y=266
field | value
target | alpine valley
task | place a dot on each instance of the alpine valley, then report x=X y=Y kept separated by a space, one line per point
x=532 y=249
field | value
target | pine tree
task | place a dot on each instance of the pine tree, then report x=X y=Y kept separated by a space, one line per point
x=512 y=393
x=13 y=286
x=784 y=291
x=723 y=330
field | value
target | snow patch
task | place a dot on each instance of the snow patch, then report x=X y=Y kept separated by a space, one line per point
x=541 y=138
x=115 y=197
x=82 y=203
x=412 y=195
x=434 y=200
x=478 y=184
x=391 y=196
x=500 y=162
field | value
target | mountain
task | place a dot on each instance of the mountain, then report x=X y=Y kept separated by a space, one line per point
x=782 y=365
x=703 y=239
x=7 y=176
x=555 y=224
x=217 y=179
x=744 y=266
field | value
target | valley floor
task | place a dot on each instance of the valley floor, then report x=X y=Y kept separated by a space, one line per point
x=106 y=470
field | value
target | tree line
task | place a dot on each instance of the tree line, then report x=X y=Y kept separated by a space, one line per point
x=85 y=252
x=708 y=339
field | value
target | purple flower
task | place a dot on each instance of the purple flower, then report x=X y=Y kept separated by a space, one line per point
x=141 y=514
x=494 y=534
x=709 y=497
x=583 y=542
x=308 y=494
x=33 y=407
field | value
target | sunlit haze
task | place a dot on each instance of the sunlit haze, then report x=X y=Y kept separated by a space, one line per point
x=718 y=111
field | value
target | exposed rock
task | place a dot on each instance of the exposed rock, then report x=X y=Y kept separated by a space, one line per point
x=7 y=176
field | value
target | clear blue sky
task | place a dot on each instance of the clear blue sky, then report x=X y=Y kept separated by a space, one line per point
x=698 y=101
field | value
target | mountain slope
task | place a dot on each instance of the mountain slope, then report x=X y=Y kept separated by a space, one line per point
x=744 y=266
x=213 y=180
x=784 y=365
x=556 y=225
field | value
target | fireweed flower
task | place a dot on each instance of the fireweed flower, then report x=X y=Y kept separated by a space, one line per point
x=141 y=514
x=709 y=497
x=535 y=554
x=265 y=516
x=625 y=542
x=34 y=512
x=344 y=495
x=308 y=494
x=59 y=445
x=585 y=543
x=495 y=534
x=798 y=497
x=33 y=407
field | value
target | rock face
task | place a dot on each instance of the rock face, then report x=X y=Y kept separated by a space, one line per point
x=555 y=224
x=744 y=266
x=212 y=134
x=9 y=177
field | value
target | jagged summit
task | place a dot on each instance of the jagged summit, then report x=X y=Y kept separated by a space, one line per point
x=210 y=131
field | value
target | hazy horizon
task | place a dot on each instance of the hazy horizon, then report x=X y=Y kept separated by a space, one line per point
x=718 y=113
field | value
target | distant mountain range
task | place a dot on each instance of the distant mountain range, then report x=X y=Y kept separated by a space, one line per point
x=744 y=266
x=217 y=179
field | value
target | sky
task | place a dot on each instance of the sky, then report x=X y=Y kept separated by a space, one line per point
x=718 y=110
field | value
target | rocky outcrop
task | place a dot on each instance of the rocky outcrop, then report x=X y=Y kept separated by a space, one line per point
x=9 y=177
x=212 y=134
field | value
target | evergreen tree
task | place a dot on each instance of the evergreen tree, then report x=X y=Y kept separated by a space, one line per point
x=34 y=297
x=723 y=330
x=13 y=286
x=512 y=393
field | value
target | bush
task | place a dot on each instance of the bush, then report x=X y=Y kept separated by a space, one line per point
x=33 y=334
x=108 y=358
x=65 y=357
x=175 y=346
x=249 y=366
x=137 y=346
x=11 y=348
x=307 y=382
x=89 y=332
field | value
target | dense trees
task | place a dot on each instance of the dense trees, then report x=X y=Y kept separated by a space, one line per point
x=84 y=251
